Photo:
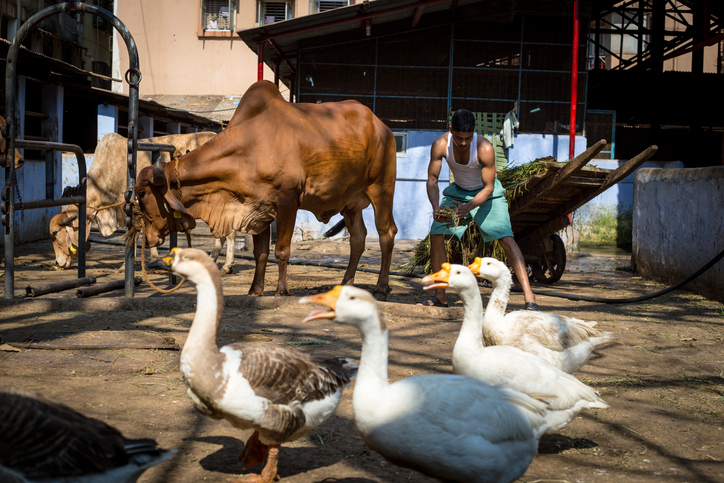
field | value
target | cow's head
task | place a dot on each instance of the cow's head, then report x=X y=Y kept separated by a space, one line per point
x=163 y=212
x=64 y=235
x=3 y=149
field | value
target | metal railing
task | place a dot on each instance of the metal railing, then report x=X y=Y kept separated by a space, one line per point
x=10 y=130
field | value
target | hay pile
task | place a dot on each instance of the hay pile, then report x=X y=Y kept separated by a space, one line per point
x=514 y=181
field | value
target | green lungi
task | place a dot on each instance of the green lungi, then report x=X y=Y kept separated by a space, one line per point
x=492 y=217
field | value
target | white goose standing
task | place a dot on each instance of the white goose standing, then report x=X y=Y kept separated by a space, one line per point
x=450 y=427
x=502 y=364
x=565 y=342
x=281 y=394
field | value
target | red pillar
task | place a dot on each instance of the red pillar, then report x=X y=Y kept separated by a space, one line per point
x=260 y=54
x=574 y=83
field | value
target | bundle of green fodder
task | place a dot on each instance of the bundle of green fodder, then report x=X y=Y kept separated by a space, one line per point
x=471 y=245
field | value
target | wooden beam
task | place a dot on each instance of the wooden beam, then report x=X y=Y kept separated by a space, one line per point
x=416 y=17
x=552 y=181
x=616 y=175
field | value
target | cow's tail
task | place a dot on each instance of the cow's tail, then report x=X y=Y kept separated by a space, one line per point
x=335 y=229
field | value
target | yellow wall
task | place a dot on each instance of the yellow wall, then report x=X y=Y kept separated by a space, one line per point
x=175 y=61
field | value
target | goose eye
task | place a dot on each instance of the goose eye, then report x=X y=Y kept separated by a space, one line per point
x=352 y=297
x=185 y=257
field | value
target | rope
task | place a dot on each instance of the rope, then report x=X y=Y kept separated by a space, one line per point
x=143 y=262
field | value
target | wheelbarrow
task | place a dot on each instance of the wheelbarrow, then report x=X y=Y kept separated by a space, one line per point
x=542 y=207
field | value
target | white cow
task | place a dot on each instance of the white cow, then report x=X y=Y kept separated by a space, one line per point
x=104 y=195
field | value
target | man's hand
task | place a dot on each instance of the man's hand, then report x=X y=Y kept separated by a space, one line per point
x=462 y=209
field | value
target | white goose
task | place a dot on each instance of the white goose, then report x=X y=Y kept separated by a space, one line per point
x=44 y=440
x=450 y=427
x=281 y=394
x=502 y=364
x=565 y=342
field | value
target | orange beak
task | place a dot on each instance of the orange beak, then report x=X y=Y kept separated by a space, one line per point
x=475 y=266
x=328 y=299
x=439 y=279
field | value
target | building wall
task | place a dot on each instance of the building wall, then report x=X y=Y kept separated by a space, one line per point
x=679 y=226
x=175 y=60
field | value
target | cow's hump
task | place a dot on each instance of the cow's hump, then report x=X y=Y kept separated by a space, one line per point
x=255 y=100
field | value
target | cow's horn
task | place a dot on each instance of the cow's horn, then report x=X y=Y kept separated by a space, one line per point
x=69 y=220
x=159 y=177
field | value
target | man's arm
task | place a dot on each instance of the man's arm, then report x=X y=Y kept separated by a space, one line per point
x=433 y=173
x=486 y=157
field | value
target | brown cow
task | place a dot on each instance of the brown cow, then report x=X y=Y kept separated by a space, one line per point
x=19 y=161
x=273 y=159
x=65 y=238
x=106 y=185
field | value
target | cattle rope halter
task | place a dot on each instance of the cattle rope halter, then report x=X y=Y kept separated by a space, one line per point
x=139 y=225
x=143 y=266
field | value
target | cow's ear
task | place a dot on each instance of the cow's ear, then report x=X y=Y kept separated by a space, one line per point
x=159 y=176
x=72 y=236
x=186 y=219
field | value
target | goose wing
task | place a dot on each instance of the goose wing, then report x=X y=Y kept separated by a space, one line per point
x=284 y=376
x=42 y=438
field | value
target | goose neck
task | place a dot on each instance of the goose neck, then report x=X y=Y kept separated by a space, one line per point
x=471 y=332
x=498 y=298
x=373 y=359
x=204 y=330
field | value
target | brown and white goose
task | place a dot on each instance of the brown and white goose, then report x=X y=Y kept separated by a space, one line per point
x=281 y=394
x=565 y=342
x=502 y=364
x=44 y=440
x=450 y=427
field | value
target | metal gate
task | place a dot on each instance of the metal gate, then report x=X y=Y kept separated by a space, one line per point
x=9 y=132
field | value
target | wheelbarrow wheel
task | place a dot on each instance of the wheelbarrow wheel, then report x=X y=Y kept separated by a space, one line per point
x=550 y=268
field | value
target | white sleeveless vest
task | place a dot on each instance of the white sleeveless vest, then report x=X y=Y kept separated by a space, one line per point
x=466 y=176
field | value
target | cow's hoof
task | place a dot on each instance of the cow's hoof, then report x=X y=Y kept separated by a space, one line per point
x=226 y=270
x=379 y=295
x=282 y=293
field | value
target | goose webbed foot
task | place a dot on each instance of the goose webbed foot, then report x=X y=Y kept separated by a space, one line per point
x=268 y=474
x=254 y=452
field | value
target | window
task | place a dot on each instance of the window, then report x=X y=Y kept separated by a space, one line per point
x=317 y=6
x=401 y=142
x=217 y=15
x=270 y=12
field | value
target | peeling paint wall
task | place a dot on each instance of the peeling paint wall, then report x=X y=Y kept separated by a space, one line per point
x=678 y=226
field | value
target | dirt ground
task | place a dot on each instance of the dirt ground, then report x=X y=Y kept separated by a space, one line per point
x=116 y=359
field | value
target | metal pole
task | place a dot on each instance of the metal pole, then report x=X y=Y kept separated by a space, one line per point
x=133 y=77
x=260 y=61
x=574 y=84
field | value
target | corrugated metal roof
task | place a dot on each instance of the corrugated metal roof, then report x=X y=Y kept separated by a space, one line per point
x=215 y=107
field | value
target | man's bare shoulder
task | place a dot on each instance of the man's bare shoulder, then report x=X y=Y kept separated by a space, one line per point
x=441 y=140
x=439 y=146
x=484 y=143
x=486 y=151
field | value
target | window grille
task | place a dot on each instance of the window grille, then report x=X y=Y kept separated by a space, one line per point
x=217 y=15
x=317 y=6
x=270 y=12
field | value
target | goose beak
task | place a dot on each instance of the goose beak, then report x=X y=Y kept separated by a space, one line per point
x=475 y=266
x=439 y=279
x=165 y=262
x=328 y=299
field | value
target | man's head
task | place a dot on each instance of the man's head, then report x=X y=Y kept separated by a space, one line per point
x=462 y=127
